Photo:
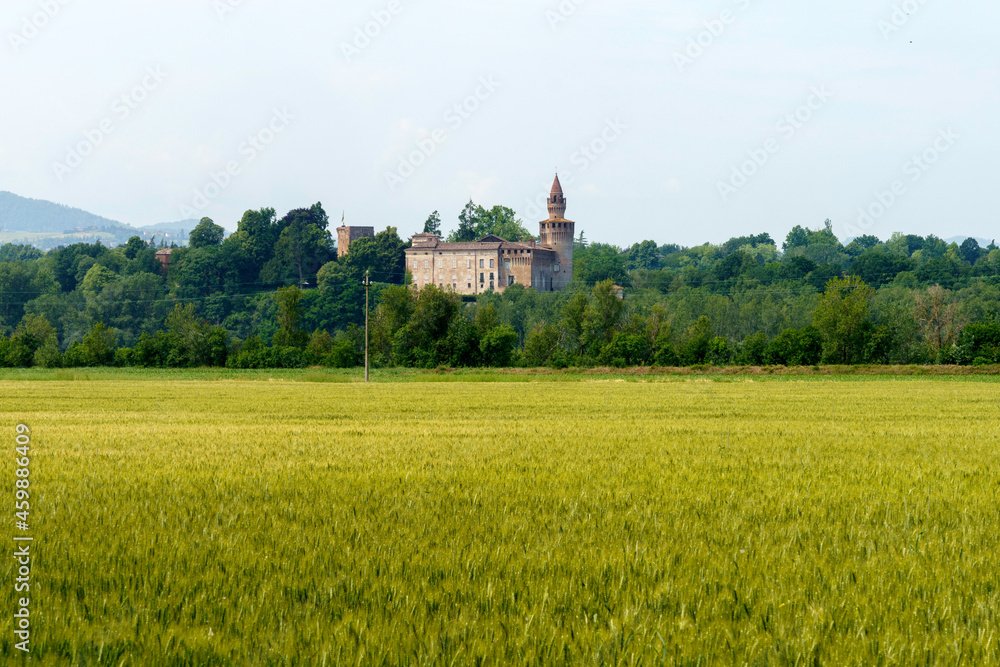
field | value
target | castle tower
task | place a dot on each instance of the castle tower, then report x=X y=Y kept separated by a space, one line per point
x=557 y=233
x=347 y=235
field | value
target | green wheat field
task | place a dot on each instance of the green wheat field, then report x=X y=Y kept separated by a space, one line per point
x=253 y=520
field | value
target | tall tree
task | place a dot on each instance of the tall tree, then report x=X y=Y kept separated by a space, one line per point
x=303 y=246
x=970 y=250
x=939 y=319
x=433 y=224
x=289 y=314
x=842 y=316
x=206 y=234
x=259 y=232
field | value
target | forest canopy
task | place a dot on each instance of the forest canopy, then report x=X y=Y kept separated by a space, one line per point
x=275 y=293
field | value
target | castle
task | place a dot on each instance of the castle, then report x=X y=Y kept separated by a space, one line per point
x=493 y=263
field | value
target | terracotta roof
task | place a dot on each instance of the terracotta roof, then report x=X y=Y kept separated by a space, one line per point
x=481 y=246
x=471 y=245
x=556 y=187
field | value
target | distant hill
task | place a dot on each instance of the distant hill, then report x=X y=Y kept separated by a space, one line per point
x=172 y=227
x=18 y=214
x=961 y=239
x=46 y=225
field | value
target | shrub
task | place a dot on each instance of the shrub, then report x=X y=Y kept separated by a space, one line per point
x=979 y=341
x=498 y=346
x=344 y=354
x=796 y=347
x=625 y=349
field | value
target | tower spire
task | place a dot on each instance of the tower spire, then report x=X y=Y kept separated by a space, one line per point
x=557 y=201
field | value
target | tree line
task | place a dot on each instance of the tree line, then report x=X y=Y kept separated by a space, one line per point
x=275 y=294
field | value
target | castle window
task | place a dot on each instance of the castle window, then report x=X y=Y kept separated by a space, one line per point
x=506 y=264
x=482 y=263
x=491 y=278
x=427 y=264
x=470 y=264
x=481 y=277
x=470 y=285
x=455 y=266
x=491 y=263
x=510 y=280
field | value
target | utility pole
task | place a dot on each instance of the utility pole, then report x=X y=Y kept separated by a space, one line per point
x=367 y=284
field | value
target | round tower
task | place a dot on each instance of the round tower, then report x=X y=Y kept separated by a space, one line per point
x=558 y=233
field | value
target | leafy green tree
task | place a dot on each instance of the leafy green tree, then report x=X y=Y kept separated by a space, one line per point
x=878 y=267
x=468 y=225
x=20 y=283
x=424 y=341
x=134 y=246
x=541 y=345
x=345 y=352
x=206 y=234
x=947 y=270
x=487 y=318
x=37 y=327
x=433 y=224
x=64 y=262
x=697 y=342
x=625 y=349
x=600 y=262
x=258 y=232
x=97 y=277
x=739 y=242
x=475 y=222
x=731 y=267
x=393 y=312
x=503 y=222
x=49 y=355
x=664 y=349
x=383 y=256
x=195 y=342
x=603 y=316
x=970 y=250
x=645 y=255
x=980 y=343
x=797 y=238
x=10 y=252
x=862 y=244
x=319 y=347
x=796 y=347
x=289 y=314
x=842 y=317
x=719 y=352
x=753 y=350
x=498 y=346
x=96 y=349
x=572 y=321
x=303 y=246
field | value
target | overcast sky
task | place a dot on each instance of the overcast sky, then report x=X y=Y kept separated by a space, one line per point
x=680 y=122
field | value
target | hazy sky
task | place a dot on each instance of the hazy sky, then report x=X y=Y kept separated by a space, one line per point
x=681 y=122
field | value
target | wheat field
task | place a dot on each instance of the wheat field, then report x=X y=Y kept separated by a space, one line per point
x=598 y=522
